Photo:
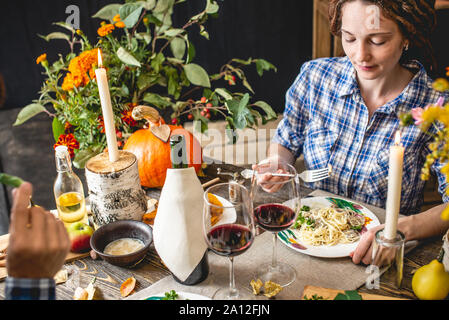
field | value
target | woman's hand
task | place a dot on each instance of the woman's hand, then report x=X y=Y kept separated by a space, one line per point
x=363 y=252
x=38 y=242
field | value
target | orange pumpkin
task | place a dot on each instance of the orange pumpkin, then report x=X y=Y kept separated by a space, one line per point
x=152 y=153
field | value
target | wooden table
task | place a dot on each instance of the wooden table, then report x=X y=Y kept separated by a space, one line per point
x=109 y=277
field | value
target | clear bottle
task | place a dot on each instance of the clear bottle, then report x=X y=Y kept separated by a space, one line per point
x=179 y=161
x=68 y=190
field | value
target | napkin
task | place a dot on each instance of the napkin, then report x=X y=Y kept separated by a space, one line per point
x=177 y=230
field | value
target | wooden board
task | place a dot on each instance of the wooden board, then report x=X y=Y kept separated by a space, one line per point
x=329 y=294
x=4 y=243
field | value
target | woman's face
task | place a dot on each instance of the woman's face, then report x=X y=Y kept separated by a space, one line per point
x=373 y=43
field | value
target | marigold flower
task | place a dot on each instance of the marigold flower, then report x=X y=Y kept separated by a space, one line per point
x=441 y=84
x=116 y=18
x=41 y=58
x=120 y=24
x=127 y=115
x=81 y=70
x=105 y=30
x=69 y=141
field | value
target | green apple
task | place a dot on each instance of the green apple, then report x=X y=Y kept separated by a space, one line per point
x=80 y=234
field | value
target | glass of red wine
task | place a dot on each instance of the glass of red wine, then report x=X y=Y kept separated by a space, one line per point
x=229 y=230
x=275 y=196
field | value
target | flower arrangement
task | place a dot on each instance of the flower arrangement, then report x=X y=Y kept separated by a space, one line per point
x=148 y=61
x=436 y=115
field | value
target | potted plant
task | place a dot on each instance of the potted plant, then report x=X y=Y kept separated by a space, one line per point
x=149 y=61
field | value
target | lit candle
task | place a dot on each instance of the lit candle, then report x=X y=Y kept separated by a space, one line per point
x=394 y=187
x=106 y=107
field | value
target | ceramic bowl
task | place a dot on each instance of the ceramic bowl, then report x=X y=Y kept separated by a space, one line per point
x=118 y=230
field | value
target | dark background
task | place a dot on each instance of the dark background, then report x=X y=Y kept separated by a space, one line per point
x=279 y=31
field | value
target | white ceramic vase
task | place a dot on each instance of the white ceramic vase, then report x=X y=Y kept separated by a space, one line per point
x=178 y=226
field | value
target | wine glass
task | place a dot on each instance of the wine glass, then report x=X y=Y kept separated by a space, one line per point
x=276 y=203
x=229 y=229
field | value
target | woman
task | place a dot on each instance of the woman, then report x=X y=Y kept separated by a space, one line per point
x=344 y=112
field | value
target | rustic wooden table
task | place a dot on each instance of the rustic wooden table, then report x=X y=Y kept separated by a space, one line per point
x=151 y=269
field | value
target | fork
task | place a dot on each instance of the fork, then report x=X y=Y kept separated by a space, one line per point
x=306 y=176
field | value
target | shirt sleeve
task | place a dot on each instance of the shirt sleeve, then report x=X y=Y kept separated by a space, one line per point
x=30 y=289
x=290 y=131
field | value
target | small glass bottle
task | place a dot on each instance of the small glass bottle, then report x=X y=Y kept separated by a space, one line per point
x=68 y=190
x=179 y=161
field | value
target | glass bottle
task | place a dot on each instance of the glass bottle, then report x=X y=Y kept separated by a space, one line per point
x=68 y=190
x=179 y=161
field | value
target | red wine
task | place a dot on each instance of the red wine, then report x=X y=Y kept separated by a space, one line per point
x=274 y=217
x=230 y=239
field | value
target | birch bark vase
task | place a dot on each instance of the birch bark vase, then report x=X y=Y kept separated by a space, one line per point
x=115 y=192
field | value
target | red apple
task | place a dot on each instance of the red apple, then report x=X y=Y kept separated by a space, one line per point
x=80 y=234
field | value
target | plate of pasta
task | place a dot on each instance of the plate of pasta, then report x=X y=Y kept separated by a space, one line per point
x=328 y=227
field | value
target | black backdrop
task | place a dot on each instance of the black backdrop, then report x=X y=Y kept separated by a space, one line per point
x=279 y=31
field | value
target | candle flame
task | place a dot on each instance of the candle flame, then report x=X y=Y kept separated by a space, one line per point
x=100 y=61
x=397 y=138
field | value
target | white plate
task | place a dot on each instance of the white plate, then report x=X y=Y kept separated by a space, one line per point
x=181 y=296
x=290 y=237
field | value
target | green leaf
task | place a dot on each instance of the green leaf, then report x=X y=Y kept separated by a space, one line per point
x=10 y=180
x=262 y=65
x=348 y=295
x=271 y=114
x=157 y=100
x=143 y=36
x=55 y=35
x=108 y=12
x=197 y=75
x=58 y=128
x=212 y=7
x=127 y=57
x=173 y=32
x=178 y=47
x=146 y=80
x=247 y=85
x=130 y=13
x=28 y=112
x=224 y=93
x=64 y=25
x=203 y=32
x=82 y=156
x=239 y=111
x=190 y=52
x=163 y=6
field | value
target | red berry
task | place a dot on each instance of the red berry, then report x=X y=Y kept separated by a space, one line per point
x=174 y=121
x=231 y=83
x=209 y=105
x=203 y=113
x=190 y=116
x=207 y=115
x=203 y=100
x=233 y=78
x=119 y=134
x=206 y=110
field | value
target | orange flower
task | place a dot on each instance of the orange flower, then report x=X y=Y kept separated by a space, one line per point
x=105 y=30
x=81 y=70
x=41 y=58
x=127 y=115
x=120 y=24
x=447 y=71
x=68 y=140
x=116 y=18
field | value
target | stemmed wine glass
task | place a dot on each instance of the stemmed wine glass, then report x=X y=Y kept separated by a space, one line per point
x=229 y=229
x=276 y=203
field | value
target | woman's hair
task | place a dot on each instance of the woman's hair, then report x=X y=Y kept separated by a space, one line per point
x=416 y=20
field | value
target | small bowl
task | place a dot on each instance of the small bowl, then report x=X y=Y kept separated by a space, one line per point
x=118 y=230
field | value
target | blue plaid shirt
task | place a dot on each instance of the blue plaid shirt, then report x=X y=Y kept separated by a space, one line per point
x=30 y=289
x=326 y=120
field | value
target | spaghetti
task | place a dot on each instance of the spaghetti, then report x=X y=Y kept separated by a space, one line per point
x=329 y=226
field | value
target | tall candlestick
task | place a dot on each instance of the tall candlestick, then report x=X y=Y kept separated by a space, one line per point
x=394 y=187
x=106 y=107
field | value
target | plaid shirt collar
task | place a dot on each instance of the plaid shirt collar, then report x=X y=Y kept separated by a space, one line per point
x=413 y=91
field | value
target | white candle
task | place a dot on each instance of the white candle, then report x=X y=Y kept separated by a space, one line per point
x=394 y=187
x=106 y=107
